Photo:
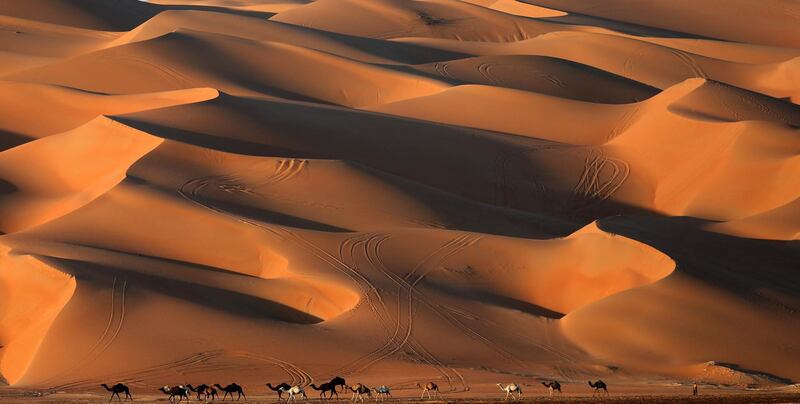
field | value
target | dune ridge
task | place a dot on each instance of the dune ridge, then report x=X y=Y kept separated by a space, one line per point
x=397 y=192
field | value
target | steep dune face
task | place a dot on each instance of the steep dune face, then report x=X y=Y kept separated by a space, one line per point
x=50 y=187
x=70 y=108
x=398 y=192
x=33 y=295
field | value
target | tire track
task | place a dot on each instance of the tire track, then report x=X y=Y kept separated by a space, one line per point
x=689 y=61
x=107 y=337
x=625 y=122
x=402 y=336
x=595 y=186
x=483 y=70
x=190 y=190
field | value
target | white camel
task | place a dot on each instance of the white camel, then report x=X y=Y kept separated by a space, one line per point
x=510 y=389
x=382 y=393
x=296 y=390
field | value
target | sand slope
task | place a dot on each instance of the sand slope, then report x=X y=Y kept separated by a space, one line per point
x=466 y=192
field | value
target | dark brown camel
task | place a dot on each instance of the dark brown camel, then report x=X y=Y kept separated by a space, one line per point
x=230 y=389
x=281 y=388
x=205 y=390
x=116 y=389
x=359 y=390
x=338 y=381
x=428 y=388
x=553 y=385
x=598 y=385
x=176 y=391
x=324 y=388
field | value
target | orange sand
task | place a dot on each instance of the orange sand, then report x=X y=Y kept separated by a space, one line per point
x=397 y=191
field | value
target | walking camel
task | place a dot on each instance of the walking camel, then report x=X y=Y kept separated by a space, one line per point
x=553 y=385
x=430 y=387
x=338 y=381
x=116 y=389
x=281 y=388
x=204 y=389
x=510 y=389
x=382 y=393
x=230 y=389
x=324 y=388
x=359 y=390
x=176 y=391
x=295 y=390
x=598 y=385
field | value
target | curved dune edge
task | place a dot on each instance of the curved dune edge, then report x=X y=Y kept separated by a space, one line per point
x=69 y=108
x=103 y=149
x=586 y=267
x=781 y=223
x=33 y=294
x=659 y=329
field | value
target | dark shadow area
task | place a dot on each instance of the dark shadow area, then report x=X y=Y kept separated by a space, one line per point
x=492 y=299
x=741 y=265
x=766 y=375
x=574 y=18
x=402 y=52
x=9 y=140
x=487 y=168
x=217 y=298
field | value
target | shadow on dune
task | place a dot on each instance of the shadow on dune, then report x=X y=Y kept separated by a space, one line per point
x=573 y=18
x=746 y=266
x=491 y=299
x=218 y=298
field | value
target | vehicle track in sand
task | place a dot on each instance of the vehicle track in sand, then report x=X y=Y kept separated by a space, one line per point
x=109 y=335
x=602 y=176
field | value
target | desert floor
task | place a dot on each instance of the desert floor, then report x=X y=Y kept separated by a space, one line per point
x=465 y=192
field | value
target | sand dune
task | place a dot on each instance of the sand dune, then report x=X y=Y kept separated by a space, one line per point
x=394 y=18
x=775 y=18
x=161 y=64
x=459 y=191
x=69 y=108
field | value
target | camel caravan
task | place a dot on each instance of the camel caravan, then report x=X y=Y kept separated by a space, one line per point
x=360 y=392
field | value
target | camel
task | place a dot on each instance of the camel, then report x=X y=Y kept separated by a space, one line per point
x=295 y=390
x=510 y=389
x=325 y=387
x=358 y=391
x=430 y=387
x=553 y=385
x=230 y=389
x=176 y=391
x=338 y=381
x=281 y=388
x=205 y=390
x=382 y=393
x=116 y=389
x=598 y=385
